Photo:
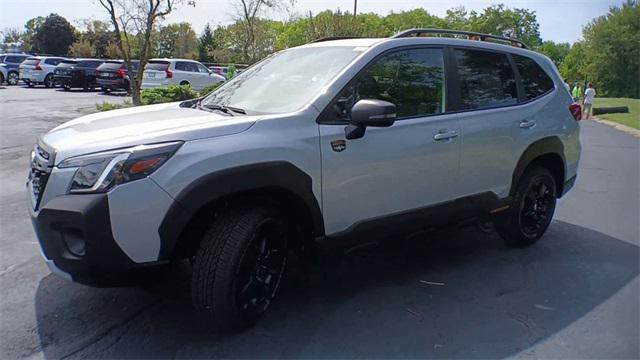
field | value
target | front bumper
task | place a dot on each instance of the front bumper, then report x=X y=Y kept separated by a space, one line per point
x=77 y=242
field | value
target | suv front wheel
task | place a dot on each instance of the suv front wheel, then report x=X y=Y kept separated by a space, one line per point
x=532 y=209
x=239 y=265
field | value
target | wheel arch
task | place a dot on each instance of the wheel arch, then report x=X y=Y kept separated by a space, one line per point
x=279 y=183
x=548 y=153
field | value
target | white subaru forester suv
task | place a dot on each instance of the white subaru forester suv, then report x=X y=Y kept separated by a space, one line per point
x=322 y=145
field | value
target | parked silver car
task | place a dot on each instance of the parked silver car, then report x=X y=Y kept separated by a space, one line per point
x=163 y=72
x=38 y=70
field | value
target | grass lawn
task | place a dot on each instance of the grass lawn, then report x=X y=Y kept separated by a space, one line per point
x=631 y=119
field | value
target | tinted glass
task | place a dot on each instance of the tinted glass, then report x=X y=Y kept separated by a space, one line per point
x=186 y=66
x=413 y=80
x=110 y=66
x=202 y=68
x=67 y=63
x=534 y=80
x=52 y=61
x=14 y=59
x=158 y=65
x=486 y=79
x=31 y=61
x=134 y=65
x=285 y=81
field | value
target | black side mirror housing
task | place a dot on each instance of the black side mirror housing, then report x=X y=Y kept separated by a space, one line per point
x=369 y=112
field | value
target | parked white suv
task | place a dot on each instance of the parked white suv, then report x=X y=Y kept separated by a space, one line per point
x=39 y=70
x=326 y=144
x=163 y=72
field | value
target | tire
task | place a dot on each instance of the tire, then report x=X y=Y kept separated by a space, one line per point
x=66 y=87
x=1 y=78
x=184 y=83
x=239 y=265
x=532 y=209
x=30 y=84
x=13 y=78
x=105 y=90
x=48 y=81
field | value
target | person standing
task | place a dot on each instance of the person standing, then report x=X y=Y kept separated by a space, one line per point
x=566 y=84
x=577 y=92
x=587 y=102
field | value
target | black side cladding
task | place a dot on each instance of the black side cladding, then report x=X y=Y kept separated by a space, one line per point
x=276 y=175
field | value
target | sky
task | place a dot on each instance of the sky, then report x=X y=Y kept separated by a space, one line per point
x=560 y=20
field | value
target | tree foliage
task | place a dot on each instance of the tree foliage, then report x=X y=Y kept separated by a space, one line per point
x=177 y=40
x=206 y=44
x=54 y=36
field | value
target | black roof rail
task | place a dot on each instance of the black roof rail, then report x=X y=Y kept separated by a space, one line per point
x=334 y=38
x=469 y=34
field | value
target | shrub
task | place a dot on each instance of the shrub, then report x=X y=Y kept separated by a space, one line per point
x=209 y=89
x=170 y=93
x=106 y=106
x=231 y=72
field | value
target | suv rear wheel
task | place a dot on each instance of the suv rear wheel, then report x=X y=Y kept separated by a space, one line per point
x=48 y=81
x=532 y=209
x=239 y=265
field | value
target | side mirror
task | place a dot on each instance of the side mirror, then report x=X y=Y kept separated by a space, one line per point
x=369 y=112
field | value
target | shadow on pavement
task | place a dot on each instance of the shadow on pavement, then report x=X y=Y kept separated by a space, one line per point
x=459 y=294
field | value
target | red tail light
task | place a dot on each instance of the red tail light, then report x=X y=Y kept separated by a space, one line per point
x=38 y=66
x=576 y=111
x=120 y=72
x=169 y=73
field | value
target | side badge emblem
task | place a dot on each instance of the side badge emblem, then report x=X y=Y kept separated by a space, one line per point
x=338 y=145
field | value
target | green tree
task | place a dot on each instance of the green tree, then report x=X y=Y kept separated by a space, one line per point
x=54 y=36
x=206 y=44
x=612 y=45
x=555 y=51
x=99 y=35
x=178 y=40
x=31 y=27
x=11 y=38
x=82 y=48
x=500 y=20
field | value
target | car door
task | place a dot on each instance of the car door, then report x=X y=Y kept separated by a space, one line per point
x=204 y=77
x=491 y=120
x=411 y=165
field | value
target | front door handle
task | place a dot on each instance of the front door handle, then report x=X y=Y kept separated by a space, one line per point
x=526 y=124
x=445 y=135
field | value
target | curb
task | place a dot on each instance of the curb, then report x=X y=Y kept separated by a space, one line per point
x=627 y=129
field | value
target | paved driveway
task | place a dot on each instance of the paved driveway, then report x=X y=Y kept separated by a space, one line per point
x=456 y=293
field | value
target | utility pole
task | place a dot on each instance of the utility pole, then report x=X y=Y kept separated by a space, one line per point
x=355 y=7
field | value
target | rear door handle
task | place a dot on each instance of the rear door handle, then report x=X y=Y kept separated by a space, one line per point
x=527 y=124
x=445 y=135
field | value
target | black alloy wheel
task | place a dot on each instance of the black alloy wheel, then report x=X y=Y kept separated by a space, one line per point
x=260 y=269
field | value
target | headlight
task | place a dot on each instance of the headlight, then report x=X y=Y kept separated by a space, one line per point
x=101 y=171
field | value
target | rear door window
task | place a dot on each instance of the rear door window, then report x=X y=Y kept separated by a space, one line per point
x=534 y=80
x=486 y=79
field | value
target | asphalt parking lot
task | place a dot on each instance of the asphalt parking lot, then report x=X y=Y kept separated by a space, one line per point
x=457 y=293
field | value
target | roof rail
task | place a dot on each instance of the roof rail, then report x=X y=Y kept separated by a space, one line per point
x=334 y=38
x=470 y=35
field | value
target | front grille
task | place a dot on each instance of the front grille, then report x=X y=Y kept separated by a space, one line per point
x=41 y=165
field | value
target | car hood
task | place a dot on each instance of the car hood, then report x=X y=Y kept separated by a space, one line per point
x=139 y=125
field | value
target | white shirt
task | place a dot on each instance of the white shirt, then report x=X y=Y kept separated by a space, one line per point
x=568 y=87
x=589 y=95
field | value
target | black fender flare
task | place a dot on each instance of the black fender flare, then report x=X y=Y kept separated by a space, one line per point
x=278 y=175
x=544 y=146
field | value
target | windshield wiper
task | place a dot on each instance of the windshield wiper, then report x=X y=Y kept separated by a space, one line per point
x=225 y=109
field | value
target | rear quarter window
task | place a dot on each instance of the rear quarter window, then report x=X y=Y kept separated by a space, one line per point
x=534 y=80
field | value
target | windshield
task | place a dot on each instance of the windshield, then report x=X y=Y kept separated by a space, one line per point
x=285 y=81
